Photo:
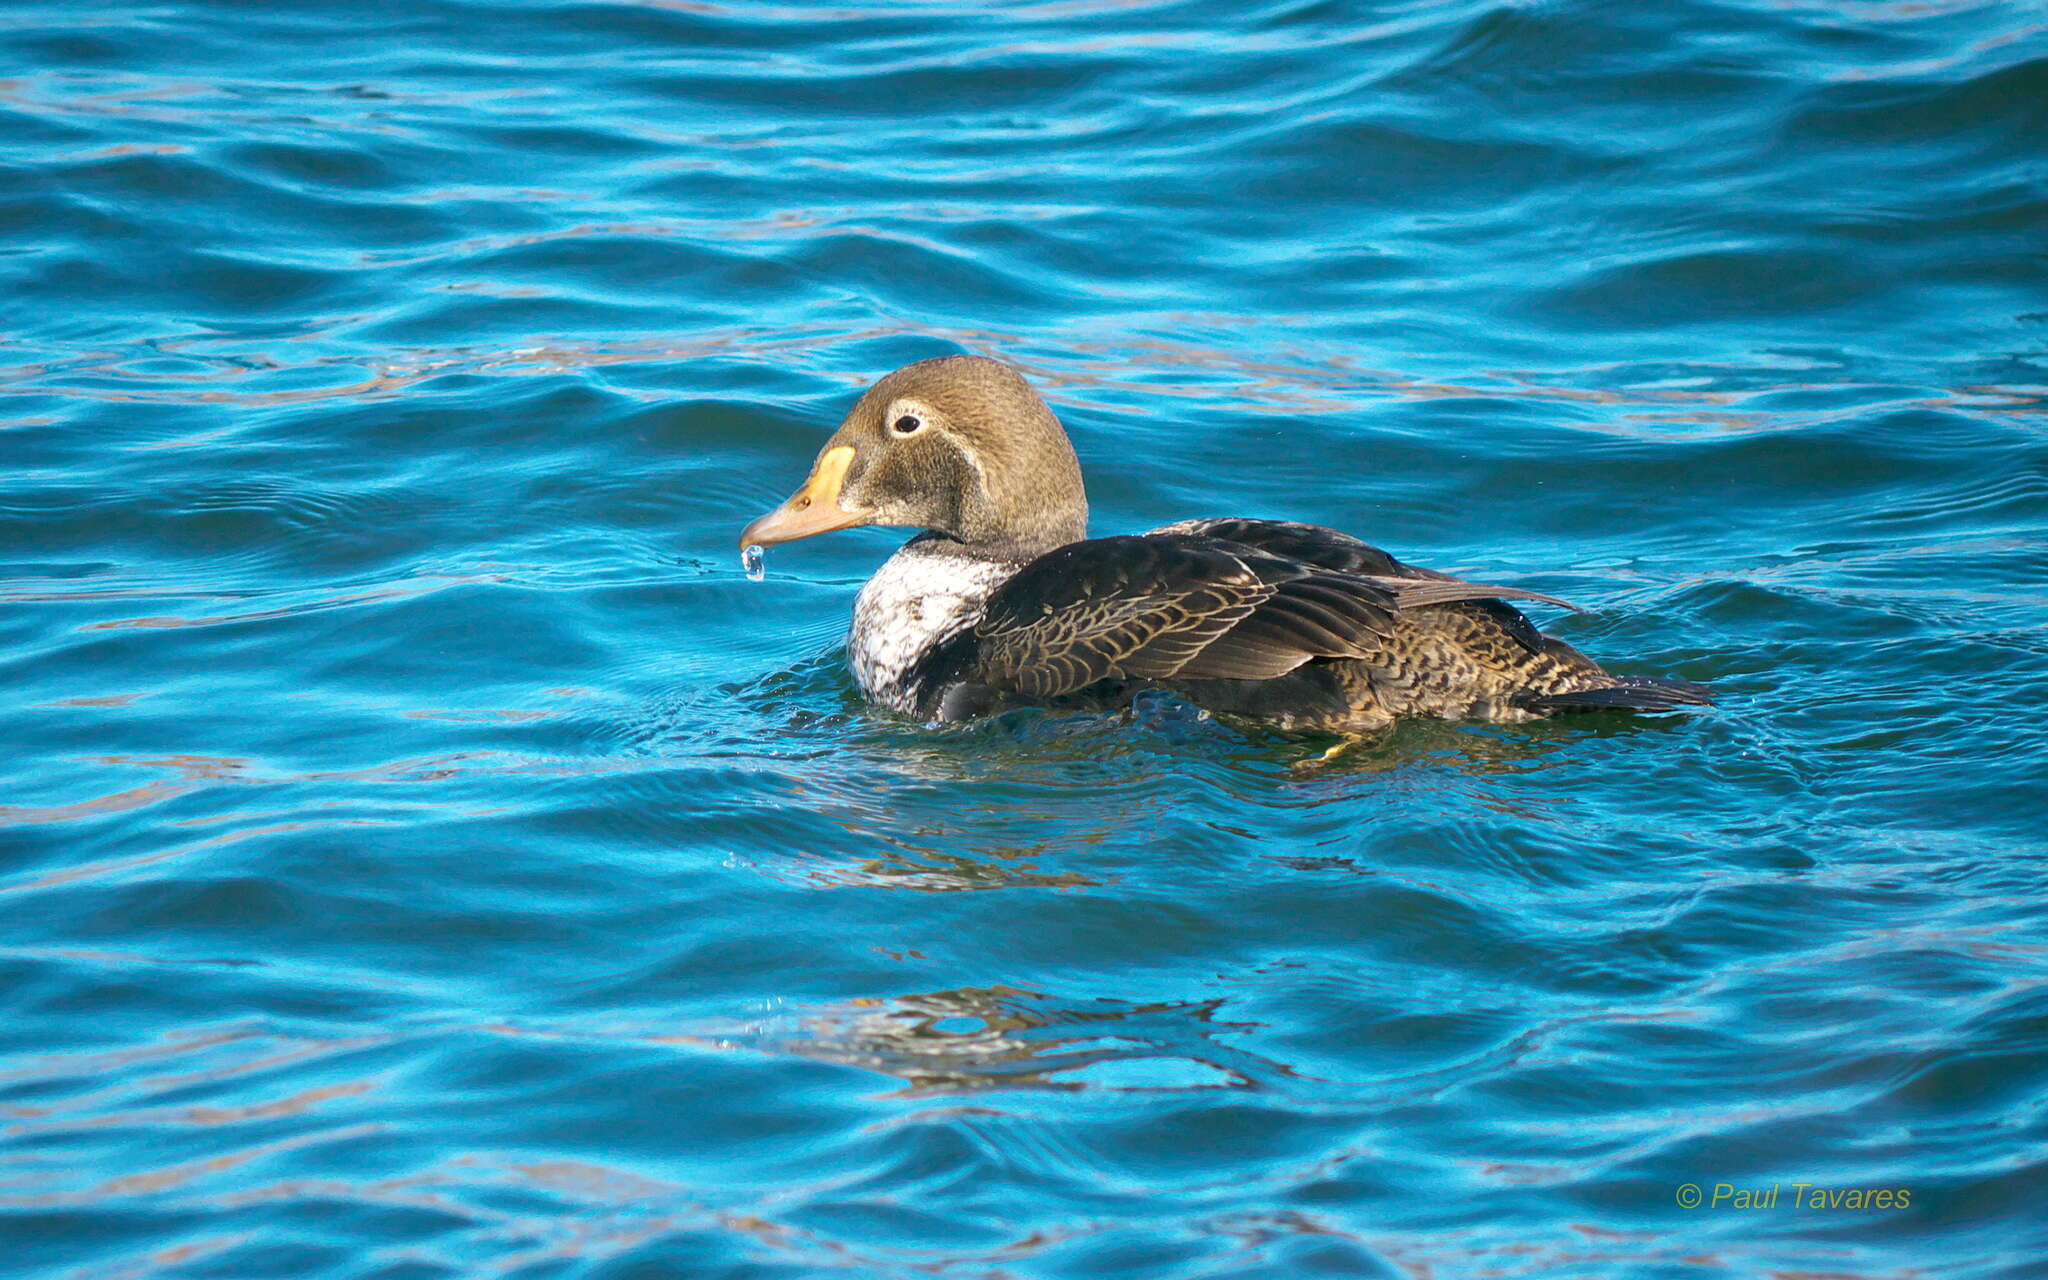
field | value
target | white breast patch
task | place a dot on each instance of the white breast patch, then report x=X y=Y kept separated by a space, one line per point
x=916 y=600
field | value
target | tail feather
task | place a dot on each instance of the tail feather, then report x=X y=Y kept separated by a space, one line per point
x=1627 y=693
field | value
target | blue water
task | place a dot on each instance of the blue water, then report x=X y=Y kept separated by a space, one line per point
x=423 y=852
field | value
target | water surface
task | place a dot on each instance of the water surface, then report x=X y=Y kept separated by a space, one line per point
x=423 y=853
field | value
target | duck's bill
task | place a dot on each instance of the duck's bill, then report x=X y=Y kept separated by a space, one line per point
x=813 y=509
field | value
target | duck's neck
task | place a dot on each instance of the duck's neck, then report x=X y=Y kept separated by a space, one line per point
x=1021 y=539
x=1016 y=551
x=1019 y=527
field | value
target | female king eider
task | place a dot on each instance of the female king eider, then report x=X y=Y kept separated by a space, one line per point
x=1004 y=599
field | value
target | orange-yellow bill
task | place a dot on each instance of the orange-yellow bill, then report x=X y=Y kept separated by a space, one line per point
x=813 y=509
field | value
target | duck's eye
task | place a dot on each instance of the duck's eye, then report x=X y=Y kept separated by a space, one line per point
x=907 y=425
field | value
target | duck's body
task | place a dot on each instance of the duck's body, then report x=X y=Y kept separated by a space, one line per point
x=1004 y=600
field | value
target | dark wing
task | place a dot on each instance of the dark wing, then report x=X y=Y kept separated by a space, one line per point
x=1413 y=587
x=1162 y=607
x=1174 y=606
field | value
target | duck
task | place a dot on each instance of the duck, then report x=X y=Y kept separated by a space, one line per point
x=1001 y=599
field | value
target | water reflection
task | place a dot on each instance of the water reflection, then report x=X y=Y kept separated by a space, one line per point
x=973 y=1039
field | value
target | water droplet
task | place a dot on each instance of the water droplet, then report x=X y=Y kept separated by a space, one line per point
x=756 y=562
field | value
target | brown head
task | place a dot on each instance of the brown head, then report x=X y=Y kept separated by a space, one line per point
x=960 y=445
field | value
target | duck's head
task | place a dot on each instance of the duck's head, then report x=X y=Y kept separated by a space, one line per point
x=960 y=445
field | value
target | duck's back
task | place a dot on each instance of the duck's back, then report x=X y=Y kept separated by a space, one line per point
x=1298 y=626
